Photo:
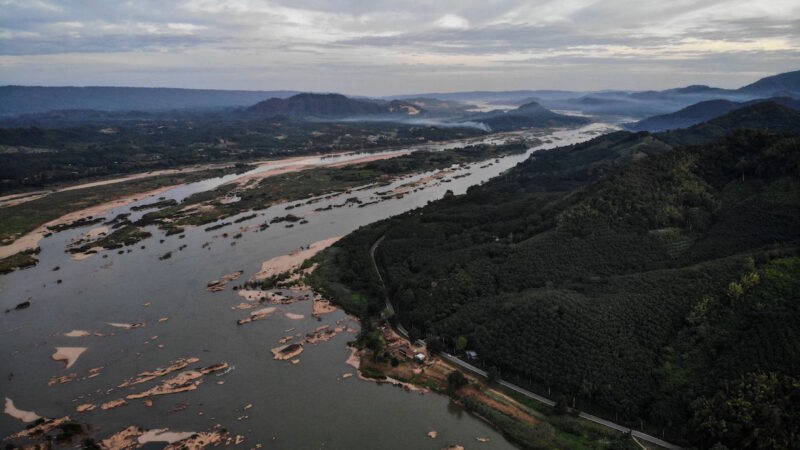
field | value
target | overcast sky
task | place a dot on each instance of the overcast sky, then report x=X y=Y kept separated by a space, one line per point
x=376 y=47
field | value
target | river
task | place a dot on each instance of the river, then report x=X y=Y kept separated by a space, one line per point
x=309 y=405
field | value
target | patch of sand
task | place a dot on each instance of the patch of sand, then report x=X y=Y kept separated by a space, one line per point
x=13 y=411
x=17 y=199
x=41 y=429
x=293 y=316
x=322 y=306
x=77 y=333
x=370 y=158
x=354 y=359
x=86 y=407
x=87 y=254
x=164 y=435
x=95 y=233
x=125 y=439
x=183 y=382
x=198 y=441
x=432 y=434
x=127 y=326
x=113 y=404
x=257 y=315
x=146 y=376
x=285 y=263
x=68 y=354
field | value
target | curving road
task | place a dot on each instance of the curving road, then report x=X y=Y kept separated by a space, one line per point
x=465 y=365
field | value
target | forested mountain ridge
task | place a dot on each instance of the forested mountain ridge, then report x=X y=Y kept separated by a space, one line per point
x=329 y=106
x=643 y=282
x=701 y=112
x=530 y=114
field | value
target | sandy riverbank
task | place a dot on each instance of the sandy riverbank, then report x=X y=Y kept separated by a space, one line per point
x=286 y=263
x=31 y=240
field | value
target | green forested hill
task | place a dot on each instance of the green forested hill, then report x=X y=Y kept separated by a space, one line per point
x=644 y=281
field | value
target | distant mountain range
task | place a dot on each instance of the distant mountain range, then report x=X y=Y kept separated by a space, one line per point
x=15 y=100
x=613 y=104
x=634 y=104
x=700 y=112
x=784 y=84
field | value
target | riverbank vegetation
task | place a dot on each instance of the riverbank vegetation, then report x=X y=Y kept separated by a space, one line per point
x=21 y=260
x=310 y=185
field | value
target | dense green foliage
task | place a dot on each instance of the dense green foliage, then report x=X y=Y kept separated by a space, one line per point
x=21 y=260
x=33 y=157
x=644 y=282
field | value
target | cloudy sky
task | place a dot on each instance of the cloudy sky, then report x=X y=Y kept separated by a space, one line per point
x=377 y=47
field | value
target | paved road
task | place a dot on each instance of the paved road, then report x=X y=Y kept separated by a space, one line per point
x=514 y=387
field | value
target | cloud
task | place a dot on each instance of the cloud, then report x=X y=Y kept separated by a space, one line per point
x=452 y=21
x=383 y=47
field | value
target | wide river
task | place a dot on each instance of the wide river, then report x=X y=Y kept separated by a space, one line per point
x=309 y=405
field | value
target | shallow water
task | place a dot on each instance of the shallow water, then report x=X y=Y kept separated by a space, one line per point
x=303 y=406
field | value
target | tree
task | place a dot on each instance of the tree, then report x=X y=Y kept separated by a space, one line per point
x=456 y=380
x=492 y=375
x=561 y=407
x=760 y=411
x=461 y=343
x=434 y=344
x=414 y=334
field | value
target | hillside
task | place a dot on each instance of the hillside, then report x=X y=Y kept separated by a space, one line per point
x=330 y=106
x=766 y=115
x=638 y=281
x=16 y=100
x=782 y=84
x=702 y=112
x=686 y=117
x=529 y=115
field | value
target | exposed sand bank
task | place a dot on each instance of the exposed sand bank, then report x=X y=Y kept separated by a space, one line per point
x=146 y=376
x=77 y=333
x=164 y=435
x=219 y=285
x=370 y=158
x=127 y=326
x=285 y=352
x=68 y=354
x=285 y=263
x=257 y=315
x=322 y=306
x=183 y=382
x=31 y=240
x=95 y=233
x=13 y=411
x=86 y=407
